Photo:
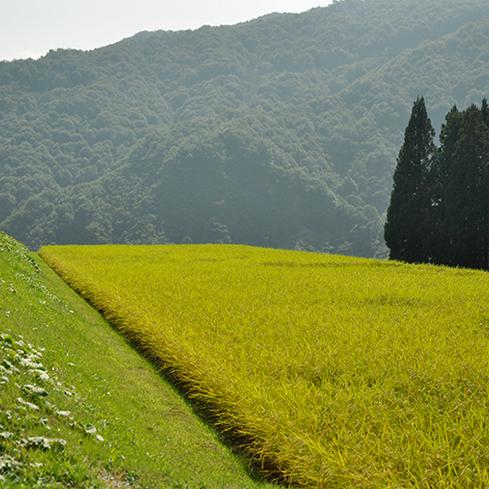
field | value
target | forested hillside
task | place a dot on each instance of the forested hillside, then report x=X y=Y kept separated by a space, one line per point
x=281 y=131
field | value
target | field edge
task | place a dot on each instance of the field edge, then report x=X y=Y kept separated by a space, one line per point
x=236 y=438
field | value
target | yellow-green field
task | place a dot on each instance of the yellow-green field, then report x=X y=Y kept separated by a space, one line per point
x=336 y=371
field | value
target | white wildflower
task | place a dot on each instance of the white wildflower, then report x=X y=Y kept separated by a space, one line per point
x=42 y=443
x=27 y=404
x=8 y=463
x=34 y=390
x=40 y=374
x=64 y=414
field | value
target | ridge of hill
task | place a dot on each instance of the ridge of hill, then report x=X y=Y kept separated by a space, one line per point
x=282 y=131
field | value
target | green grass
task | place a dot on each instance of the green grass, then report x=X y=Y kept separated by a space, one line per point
x=337 y=371
x=108 y=419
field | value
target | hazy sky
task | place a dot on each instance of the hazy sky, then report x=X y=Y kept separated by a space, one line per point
x=30 y=28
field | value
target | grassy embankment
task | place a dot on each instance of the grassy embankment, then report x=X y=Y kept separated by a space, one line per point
x=80 y=408
x=339 y=371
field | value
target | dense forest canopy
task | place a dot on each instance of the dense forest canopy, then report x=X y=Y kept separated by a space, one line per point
x=282 y=131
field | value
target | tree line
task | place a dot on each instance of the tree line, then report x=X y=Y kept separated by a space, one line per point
x=439 y=208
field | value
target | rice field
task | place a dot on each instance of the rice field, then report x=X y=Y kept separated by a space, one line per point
x=81 y=409
x=329 y=371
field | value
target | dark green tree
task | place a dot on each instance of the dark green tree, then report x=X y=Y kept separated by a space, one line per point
x=485 y=111
x=462 y=213
x=408 y=217
x=441 y=173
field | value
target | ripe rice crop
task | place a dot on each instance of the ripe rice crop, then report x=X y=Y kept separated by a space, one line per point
x=334 y=371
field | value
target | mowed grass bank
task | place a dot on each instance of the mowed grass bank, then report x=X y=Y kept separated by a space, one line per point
x=79 y=408
x=337 y=371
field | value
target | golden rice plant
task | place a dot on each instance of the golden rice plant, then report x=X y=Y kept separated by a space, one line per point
x=329 y=371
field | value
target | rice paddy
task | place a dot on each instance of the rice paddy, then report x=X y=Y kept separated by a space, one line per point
x=80 y=409
x=328 y=371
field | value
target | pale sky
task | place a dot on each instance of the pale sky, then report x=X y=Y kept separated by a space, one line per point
x=30 y=28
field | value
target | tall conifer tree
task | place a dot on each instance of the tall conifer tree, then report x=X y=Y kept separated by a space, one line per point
x=485 y=112
x=408 y=217
x=443 y=168
x=464 y=223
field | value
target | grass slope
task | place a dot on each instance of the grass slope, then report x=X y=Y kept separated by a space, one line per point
x=108 y=419
x=339 y=371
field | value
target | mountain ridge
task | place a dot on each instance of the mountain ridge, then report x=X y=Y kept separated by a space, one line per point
x=325 y=94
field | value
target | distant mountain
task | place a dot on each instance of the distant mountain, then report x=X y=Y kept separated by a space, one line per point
x=282 y=131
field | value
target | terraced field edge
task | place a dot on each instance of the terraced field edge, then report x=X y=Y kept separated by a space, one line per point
x=219 y=414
